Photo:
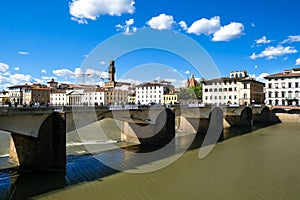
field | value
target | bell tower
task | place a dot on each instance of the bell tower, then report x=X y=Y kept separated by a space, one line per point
x=112 y=71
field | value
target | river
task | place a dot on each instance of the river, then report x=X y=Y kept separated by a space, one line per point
x=261 y=164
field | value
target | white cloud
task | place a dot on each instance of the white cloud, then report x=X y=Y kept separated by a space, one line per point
x=253 y=25
x=96 y=74
x=102 y=62
x=183 y=25
x=78 y=72
x=128 y=30
x=259 y=77
x=255 y=66
x=19 y=78
x=23 y=53
x=161 y=22
x=64 y=73
x=17 y=68
x=187 y=72
x=3 y=67
x=205 y=26
x=131 y=81
x=291 y=39
x=273 y=52
x=83 y=10
x=44 y=71
x=229 y=32
x=263 y=40
x=297 y=61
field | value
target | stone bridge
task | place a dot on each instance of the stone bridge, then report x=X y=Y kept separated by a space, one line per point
x=38 y=135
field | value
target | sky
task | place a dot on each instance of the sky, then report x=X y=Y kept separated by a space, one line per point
x=41 y=40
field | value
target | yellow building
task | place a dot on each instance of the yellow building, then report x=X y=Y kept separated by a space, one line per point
x=131 y=99
x=170 y=99
x=114 y=97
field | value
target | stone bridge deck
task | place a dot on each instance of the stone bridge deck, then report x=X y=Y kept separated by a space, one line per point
x=38 y=135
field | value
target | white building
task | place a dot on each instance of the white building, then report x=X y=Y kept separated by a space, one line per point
x=154 y=93
x=238 y=89
x=95 y=97
x=283 y=88
x=59 y=98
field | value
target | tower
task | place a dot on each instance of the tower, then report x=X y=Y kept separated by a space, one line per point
x=112 y=71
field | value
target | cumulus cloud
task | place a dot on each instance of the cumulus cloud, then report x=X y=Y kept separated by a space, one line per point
x=161 y=22
x=260 y=77
x=272 y=52
x=64 y=73
x=17 y=68
x=205 y=26
x=96 y=74
x=291 y=39
x=262 y=40
x=253 y=25
x=127 y=28
x=23 y=53
x=297 y=61
x=19 y=78
x=44 y=71
x=3 y=67
x=83 y=10
x=183 y=25
x=229 y=32
x=187 y=72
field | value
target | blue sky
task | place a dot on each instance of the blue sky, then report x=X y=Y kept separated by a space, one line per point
x=42 y=40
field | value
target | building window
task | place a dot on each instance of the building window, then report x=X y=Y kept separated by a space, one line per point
x=225 y=89
x=276 y=94
x=290 y=94
x=220 y=89
x=215 y=97
x=206 y=97
x=210 y=90
x=283 y=85
x=215 y=90
x=290 y=85
x=206 y=90
x=230 y=89
x=270 y=102
x=220 y=97
x=282 y=94
x=235 y=97
x=297 y=94
x=229 y=96
x=270 y=85
x=270 y=94
x=276 y=85
x=296 y=85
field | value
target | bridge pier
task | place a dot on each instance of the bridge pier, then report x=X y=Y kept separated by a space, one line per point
x=241 y=116
x=47 y=151
x=160 y=131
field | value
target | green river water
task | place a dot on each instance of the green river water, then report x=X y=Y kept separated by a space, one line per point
x=262 y=164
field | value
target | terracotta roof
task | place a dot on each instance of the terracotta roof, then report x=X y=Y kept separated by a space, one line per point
x=226 y=79
x=284 y=74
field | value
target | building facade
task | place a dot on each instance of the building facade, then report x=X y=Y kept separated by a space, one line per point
x=239 y=89
x=155 y=93
x=37 y=95
x=283 y=89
